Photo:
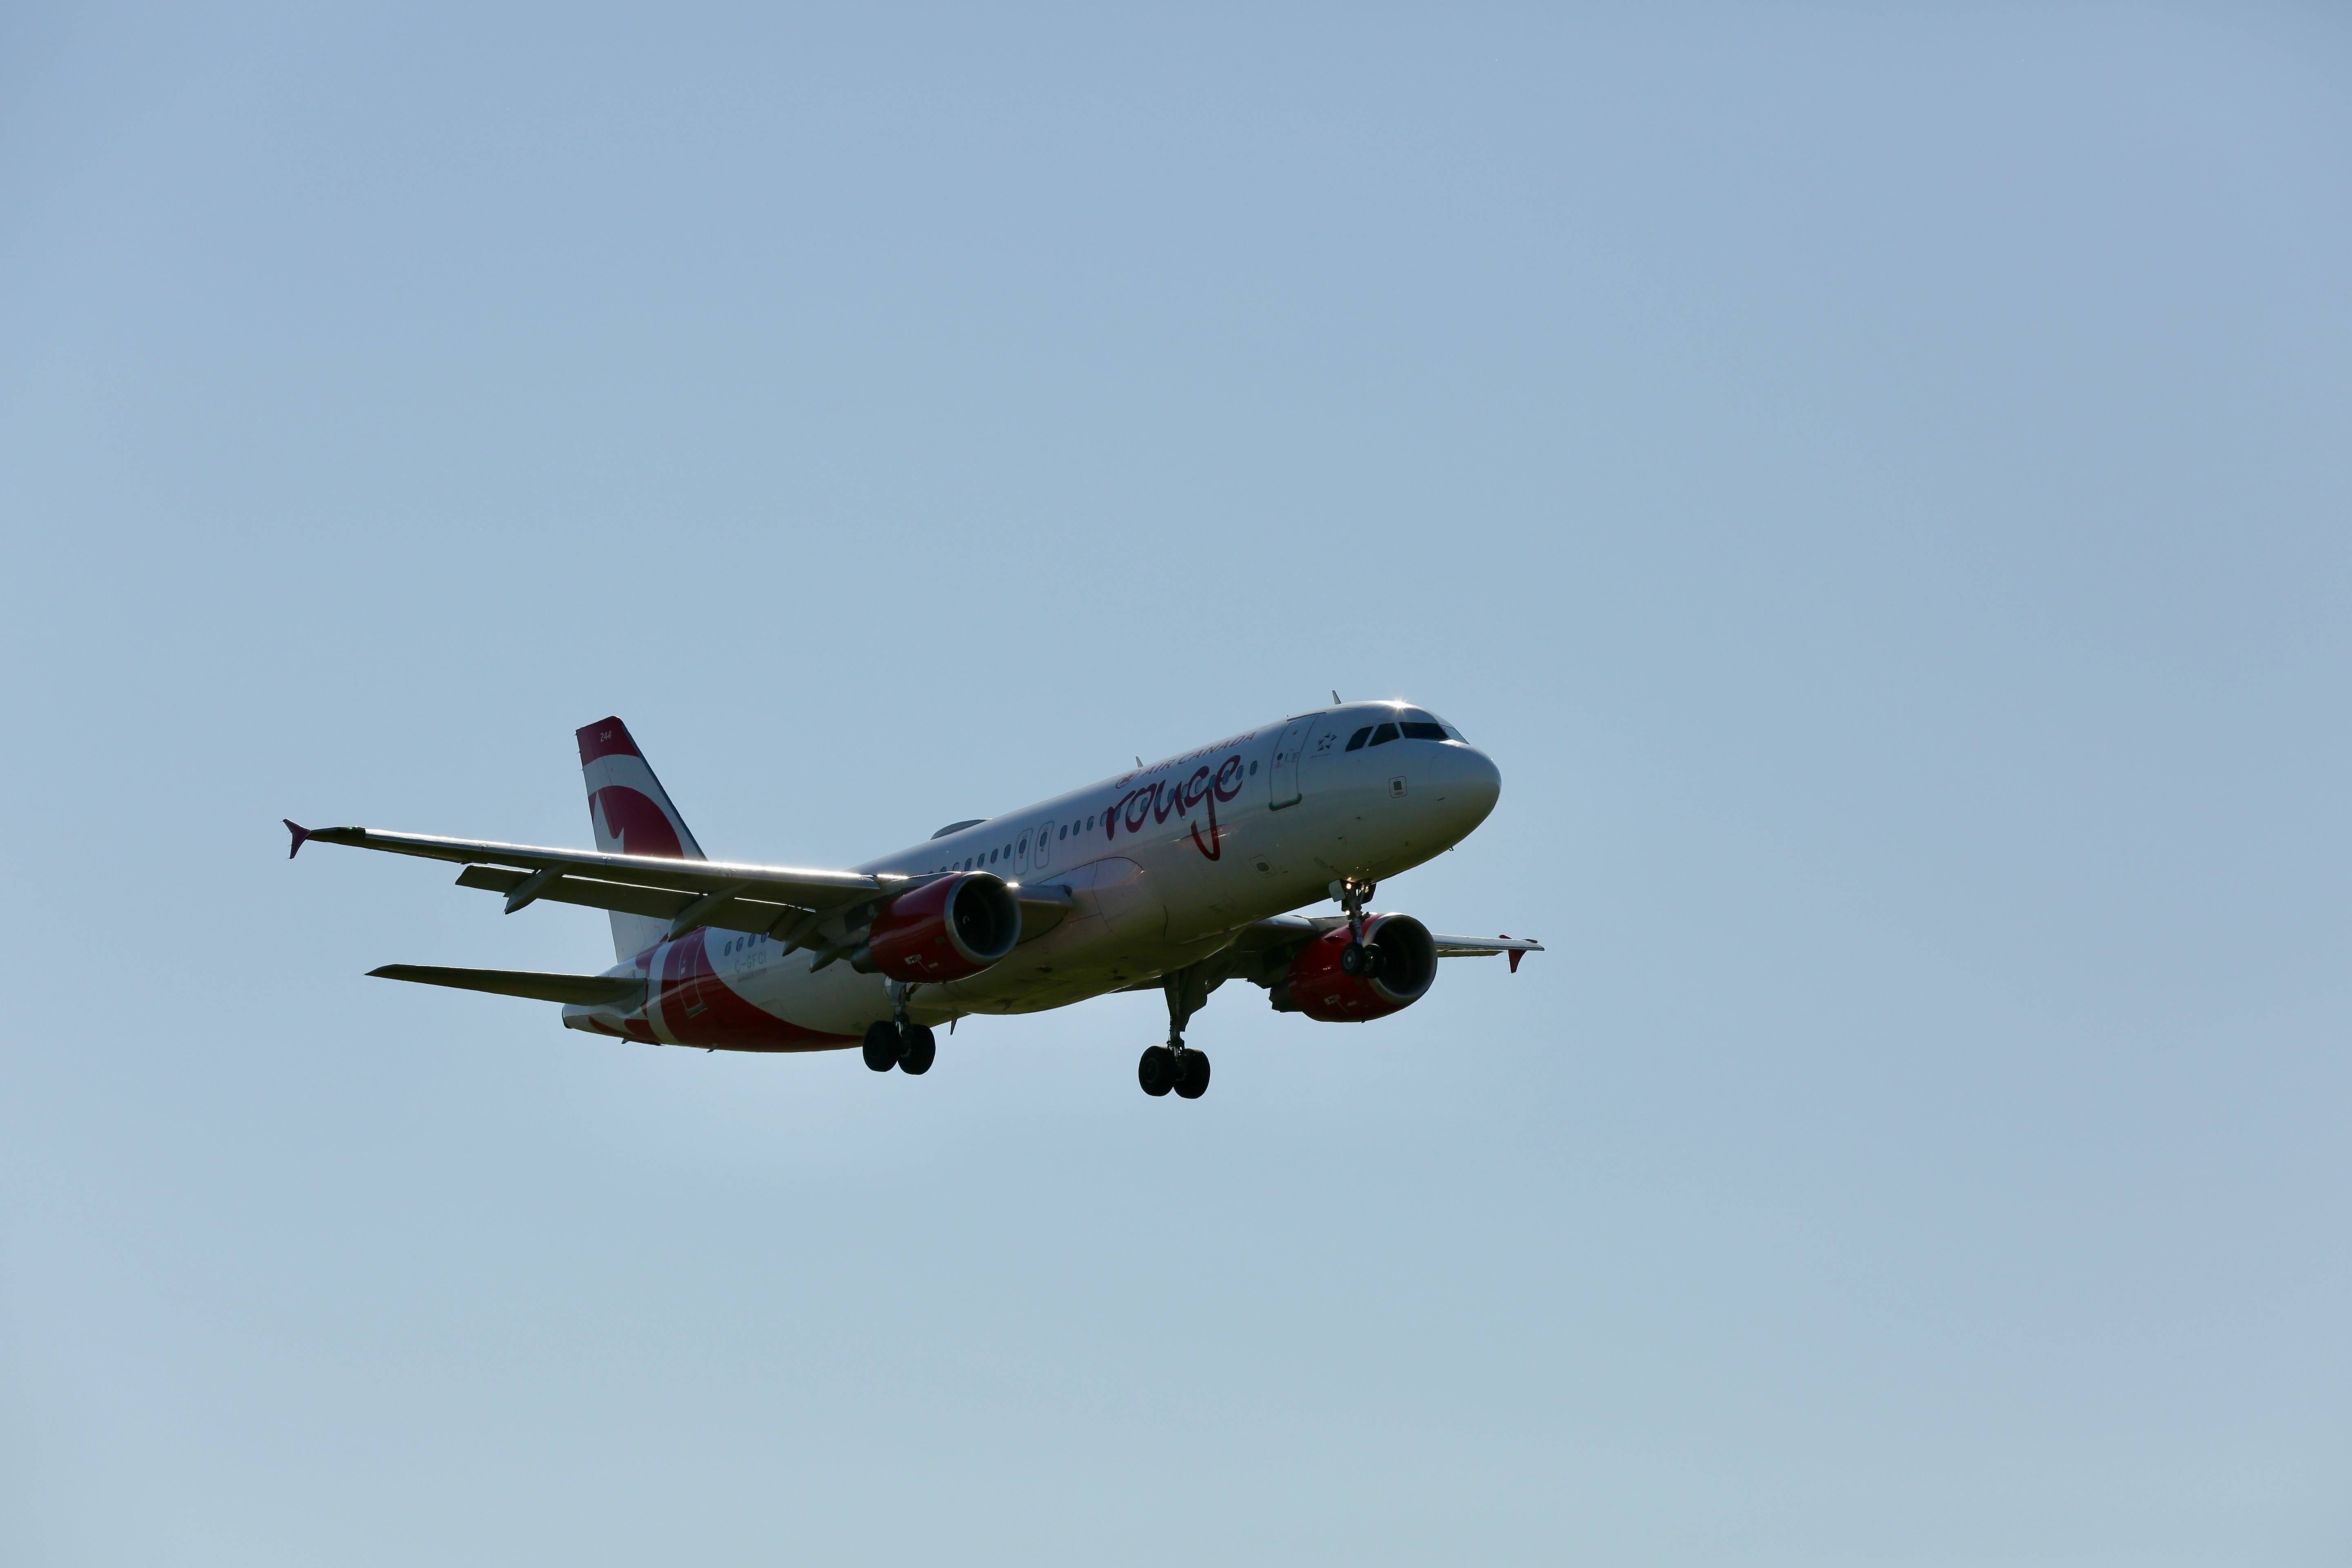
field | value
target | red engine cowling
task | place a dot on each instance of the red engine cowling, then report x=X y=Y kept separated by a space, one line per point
x=945 y=930
x=1319 y=987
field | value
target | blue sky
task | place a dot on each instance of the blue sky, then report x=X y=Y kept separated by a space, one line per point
x=1874 y=478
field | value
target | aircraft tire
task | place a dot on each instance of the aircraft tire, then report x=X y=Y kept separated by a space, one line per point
x=1157 y=1071
x=1351 y=958
x=917 y=1049
x=1191 y=1075
x=882 y=1046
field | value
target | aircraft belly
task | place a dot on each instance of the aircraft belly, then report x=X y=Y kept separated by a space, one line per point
x=836 y=999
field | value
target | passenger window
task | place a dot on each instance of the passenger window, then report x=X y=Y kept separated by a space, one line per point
x=1357 y=740
x=1384 y=734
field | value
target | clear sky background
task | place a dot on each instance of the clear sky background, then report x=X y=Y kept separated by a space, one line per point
x=1876 y=479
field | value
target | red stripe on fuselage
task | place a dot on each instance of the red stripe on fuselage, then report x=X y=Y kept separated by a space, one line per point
x=698 y=1009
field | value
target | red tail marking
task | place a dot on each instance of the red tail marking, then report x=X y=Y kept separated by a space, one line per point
x=606 y=737
x=632 y=817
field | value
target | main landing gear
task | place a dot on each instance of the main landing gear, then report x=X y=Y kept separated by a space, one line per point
x=1179 y=1067
x=1176 y=1065
x=900 y=1043
x=908 y=1047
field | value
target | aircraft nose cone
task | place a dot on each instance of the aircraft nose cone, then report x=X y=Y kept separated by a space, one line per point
x=1466 y=787
x=1479 y=785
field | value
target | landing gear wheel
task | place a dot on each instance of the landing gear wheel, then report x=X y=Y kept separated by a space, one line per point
x=1352 y=958
x=882 y=1046
x=1191 y=1075
x=1157 y=1071
x=917 y=1048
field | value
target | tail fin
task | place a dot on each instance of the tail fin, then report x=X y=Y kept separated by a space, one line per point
x=631 y=815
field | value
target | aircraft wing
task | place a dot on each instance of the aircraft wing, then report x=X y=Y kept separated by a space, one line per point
x=1285 y=930
x=1516 y=947
x=1262 y=950
x=781 y=901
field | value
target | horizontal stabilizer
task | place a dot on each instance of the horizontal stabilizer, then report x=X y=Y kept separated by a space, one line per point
x=580 y=990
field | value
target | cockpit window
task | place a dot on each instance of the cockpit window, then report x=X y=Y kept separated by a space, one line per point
x=1413 y=724
x=1422 y=715
x=1420 y=724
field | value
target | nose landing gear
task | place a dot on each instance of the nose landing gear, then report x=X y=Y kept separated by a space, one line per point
x=1359 y=957
x=1176 y=1065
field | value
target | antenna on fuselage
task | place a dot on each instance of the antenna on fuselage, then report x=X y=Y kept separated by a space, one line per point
x=1335 y=696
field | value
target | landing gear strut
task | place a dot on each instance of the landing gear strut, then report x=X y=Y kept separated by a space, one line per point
x=900 y=1042
x=1359 y=957
x=1176 y=1065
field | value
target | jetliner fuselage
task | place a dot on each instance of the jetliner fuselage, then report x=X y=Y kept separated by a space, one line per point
x=1177 y=876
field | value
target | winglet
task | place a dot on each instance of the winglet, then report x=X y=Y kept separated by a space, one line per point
x=1516 y=955
x=300 y=834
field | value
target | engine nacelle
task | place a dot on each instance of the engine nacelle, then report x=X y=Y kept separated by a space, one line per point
x=1402 y=973
x=945 y=930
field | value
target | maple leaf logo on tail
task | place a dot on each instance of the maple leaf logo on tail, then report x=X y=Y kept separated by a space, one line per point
x=630 y=813
x=634 y=824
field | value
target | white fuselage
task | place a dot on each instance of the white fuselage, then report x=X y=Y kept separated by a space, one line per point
x=1162 y=865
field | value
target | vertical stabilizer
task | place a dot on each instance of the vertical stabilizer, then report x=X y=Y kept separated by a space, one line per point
x=631 y=815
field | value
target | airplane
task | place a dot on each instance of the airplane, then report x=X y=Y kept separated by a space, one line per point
x=1177 y=876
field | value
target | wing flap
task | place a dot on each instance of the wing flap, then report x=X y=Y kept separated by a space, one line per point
x=761 y=917
x=579 y=990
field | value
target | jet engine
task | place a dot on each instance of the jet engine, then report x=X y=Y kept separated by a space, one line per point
x=1398 y=961
x=945 y=930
